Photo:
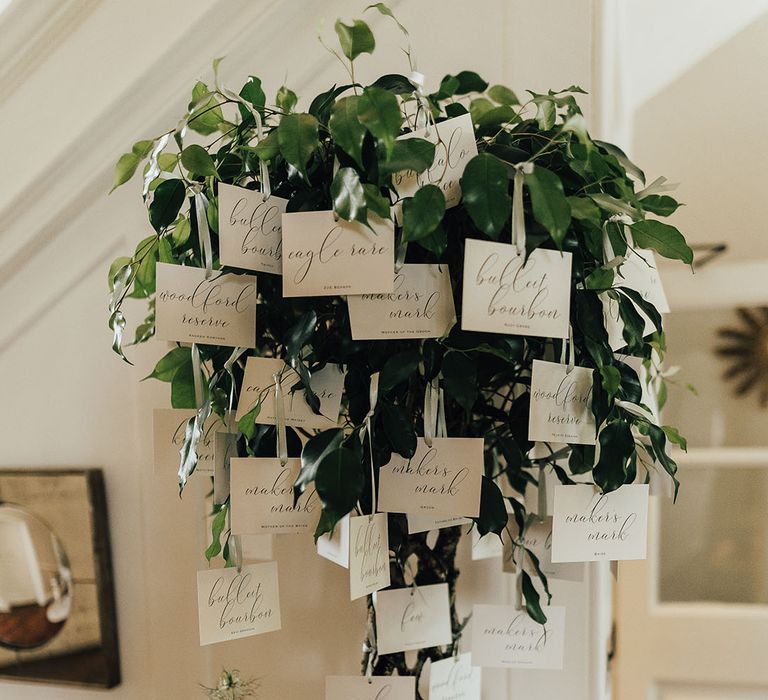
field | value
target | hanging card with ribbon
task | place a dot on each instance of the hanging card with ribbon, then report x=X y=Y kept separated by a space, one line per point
x=501 y=294
x=259 y=385
x=250 y=229
x=233 y=604
x=261 y=497
x=412 y=618
x=442 y=479
x=334 y=546
x=219 y=309
x=325 y=257
x=373 y=688
x=590 y=526
x=368 y=554
x=168 y=426
x=505 y=637
x=537 y=539
x=455 y=679
x=561 y=404
x=455 y=146
x=419 y=306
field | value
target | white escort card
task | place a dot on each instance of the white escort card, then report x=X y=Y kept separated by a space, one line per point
x=324 y=257
x=503 y=637
x=368 y=554
x=234 y=604
x=537 y=539
x=640 y=272
x=455 y=679
x=503 y=295
x=259 y=384
x=561 y=404
x=250 y=229
x=225 y=448
x=168 y=432
x=455 y=146
x=413 y=618
x=334 y=546
x=444 y=479
x=425 y=523
x=261 y=497
x=419 y=306
x=373 y=688
x=220 y=310
x=590 y=526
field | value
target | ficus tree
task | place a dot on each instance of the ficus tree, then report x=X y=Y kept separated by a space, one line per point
x=341 y=150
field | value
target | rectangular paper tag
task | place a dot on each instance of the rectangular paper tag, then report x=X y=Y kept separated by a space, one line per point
x=413 y=618
x=455 y=146
x=419 y=306
x=444 y=479
x=261 y=497
x=640 y=272
x=373 y=688
x=501 y=295
x=561 y=404
x=335 y=547
x=537 y=539
x=259 y=383
x=369 y=554
x=425 y=523
x=232 y=605
x=168 y=430
x=503 y=637
x=455 y=679
x=220 y=310
x=323 y=257
x=590 y=526
x=250 y=229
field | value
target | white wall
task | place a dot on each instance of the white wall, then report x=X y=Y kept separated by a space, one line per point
x=117 y=71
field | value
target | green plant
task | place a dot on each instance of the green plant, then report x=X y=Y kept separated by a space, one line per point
x=343 y=153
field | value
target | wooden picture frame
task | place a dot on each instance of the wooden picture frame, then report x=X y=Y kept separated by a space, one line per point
x=83 y=651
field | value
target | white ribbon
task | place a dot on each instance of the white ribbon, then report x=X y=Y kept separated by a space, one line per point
x=203 y=232
x=402 y=249
x=518 y=211
x=541 y=509
x=196 y=376
x=418 y=80
x=612 y=260
x=154 y=169
x=567 y=351
x=519 y=588
x=282 y=442
x=238 y=552
x=236 y=353
x=657 y=186
x=373 y=398
x=434 y=411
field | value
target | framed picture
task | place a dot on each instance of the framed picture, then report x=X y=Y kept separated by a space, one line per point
x=57 y=603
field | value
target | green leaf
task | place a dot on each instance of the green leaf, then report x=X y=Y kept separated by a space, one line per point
x=423 y=212
x=493 y=513
x=247 y=424
x=355 y=39
x=217 y=527
x=532 y=600
x=622 y=159
x=666 y=240
x=467 y=81
x=183 y=387
x=493 y=119
x=409 y=154
x=584 y=209
x=460 y=379
x=484 y=187
x=268 y=147
x=167 y=161
x=398 y=427
x=436 y=242
x=118 y=265
x=300 y=334
x=611 y=378
x=298 y=139
x=252 y=92
x=576 y=124
x=145 y=272
x=207 y=114
x=478 y=107
x=545 y=112
x=166 y=203
x=616 y=447
x=380 y=112
x=550 y=205
x=398 y=368
x=346 y=129
x=659 y=204
x=124 y=169
x=600 y=278
x=168 y=365
x=142 y=148
x=659 y=444
x=339 y=480
x=348 y=196
x=198 y=161
x=384 y=10
x=673 y=435
x=286 y=99
x=314 y=450
x=395 y=83
x=376 y=202
x=613 y=205
x=180 y=233
x=503 y=95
